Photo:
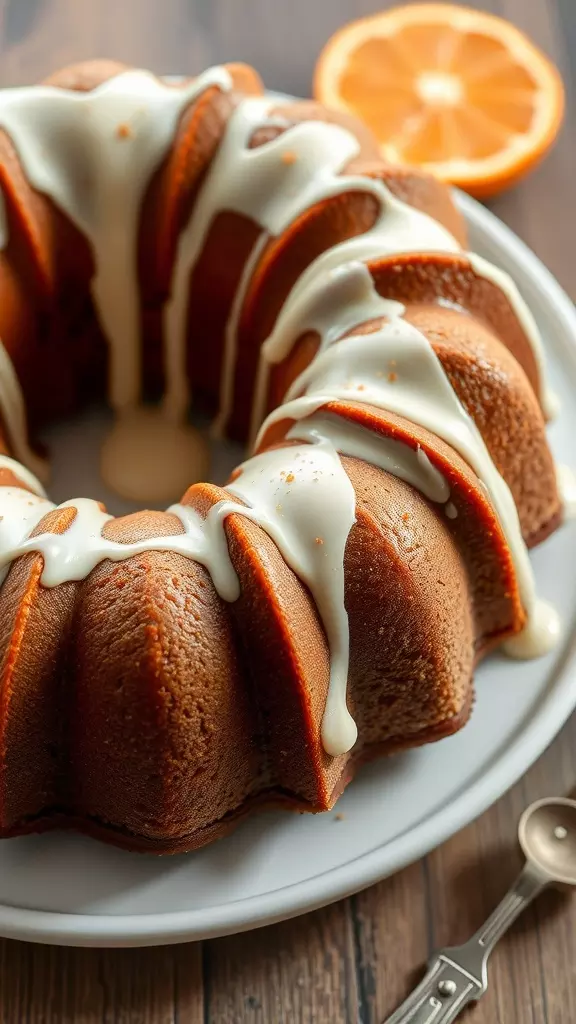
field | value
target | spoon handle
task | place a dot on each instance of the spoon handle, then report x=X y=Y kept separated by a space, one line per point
x=457 y=975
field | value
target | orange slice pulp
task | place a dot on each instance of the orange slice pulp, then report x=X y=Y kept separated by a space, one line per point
x=462 y=93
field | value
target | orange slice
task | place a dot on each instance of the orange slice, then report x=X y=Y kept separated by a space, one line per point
x=462 y=93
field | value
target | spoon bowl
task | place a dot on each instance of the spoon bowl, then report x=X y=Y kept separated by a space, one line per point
x=547 y=834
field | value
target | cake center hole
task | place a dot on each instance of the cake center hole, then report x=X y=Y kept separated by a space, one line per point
x=149 y=458
x=137 y=460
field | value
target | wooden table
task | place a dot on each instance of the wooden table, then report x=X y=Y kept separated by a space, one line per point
x=354 y=961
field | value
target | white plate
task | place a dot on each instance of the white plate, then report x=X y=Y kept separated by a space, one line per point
x=66 y=889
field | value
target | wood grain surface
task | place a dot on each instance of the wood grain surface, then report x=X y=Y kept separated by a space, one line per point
x=354 y=961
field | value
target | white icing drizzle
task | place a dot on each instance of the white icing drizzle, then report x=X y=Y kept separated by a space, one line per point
x=290 y=497
x=94 y=154
x=541 y=636
x=272 y=185
x=333 y=295
x=567 y=486
x=13 y=414
x=394 y=368
x=331 y=304
x=422 y=394
x=230 y=185
x=286 y=491
x=409 y=464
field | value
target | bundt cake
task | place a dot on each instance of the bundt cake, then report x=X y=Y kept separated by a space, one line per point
x=164 y=673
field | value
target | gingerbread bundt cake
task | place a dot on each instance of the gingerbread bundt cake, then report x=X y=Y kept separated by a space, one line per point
x=164 y=673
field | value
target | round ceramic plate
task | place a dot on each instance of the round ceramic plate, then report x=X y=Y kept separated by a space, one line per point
x=66 y=889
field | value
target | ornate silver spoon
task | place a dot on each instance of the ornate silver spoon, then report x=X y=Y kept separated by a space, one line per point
x=458 y=975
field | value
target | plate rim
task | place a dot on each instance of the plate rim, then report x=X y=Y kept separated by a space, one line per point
x=528 y=744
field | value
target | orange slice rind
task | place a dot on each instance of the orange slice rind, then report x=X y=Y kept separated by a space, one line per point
x=460 y=92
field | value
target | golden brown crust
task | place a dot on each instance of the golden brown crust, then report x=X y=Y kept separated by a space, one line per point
x=34 y=630
x=159 y=691
x=264 y=801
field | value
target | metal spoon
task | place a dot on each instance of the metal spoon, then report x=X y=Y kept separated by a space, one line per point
x=458 y=975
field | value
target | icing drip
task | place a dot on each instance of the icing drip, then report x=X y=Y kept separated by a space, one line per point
x=540 y=637
x=567 y=487
x=289 y=497
x=13 y=414
x=94 y=154
x=395 y=368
